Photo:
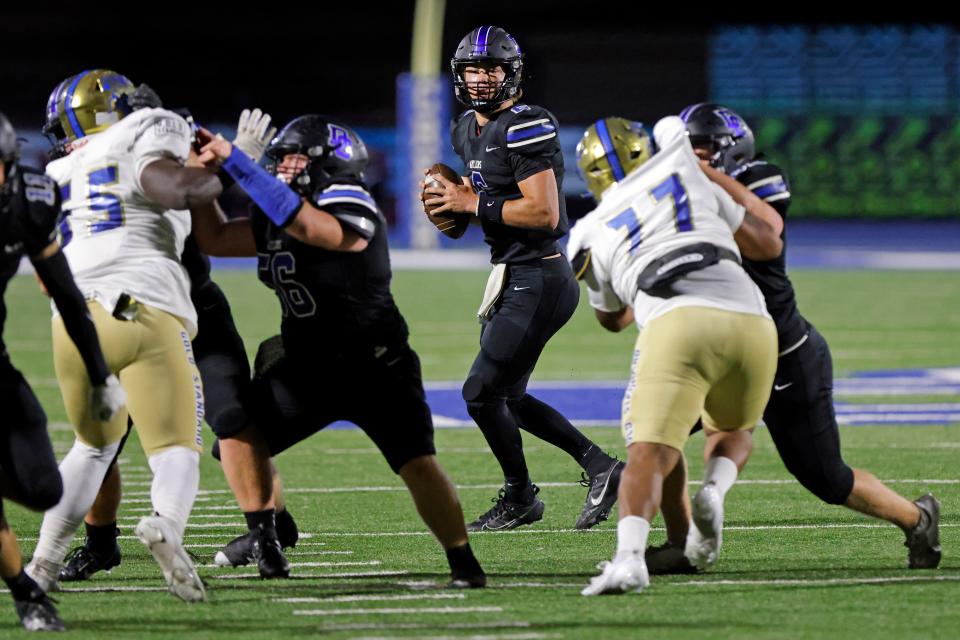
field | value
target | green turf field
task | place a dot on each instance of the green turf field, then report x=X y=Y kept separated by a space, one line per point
x=790 y=566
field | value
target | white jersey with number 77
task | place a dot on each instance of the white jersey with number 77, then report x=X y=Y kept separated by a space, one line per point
x=665 y=204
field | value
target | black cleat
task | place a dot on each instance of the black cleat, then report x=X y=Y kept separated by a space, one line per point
x=476 y=581
x=507 y=515
x=39 y=614
x=237 y=553
x=668 y=559
x=83 y=562
x=601 y=495
x=923 y=541
x=266 y=550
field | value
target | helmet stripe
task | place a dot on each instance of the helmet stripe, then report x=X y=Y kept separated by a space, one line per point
x=67 y=99
x=611 y=151
x=686 y=113
x=482 y=34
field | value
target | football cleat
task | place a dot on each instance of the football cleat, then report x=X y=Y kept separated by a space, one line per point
x=45 y=573
x=161 y=537
x=266 y=549
x=83 y=562
x=706 y=534
x=601 y=495
x=620 y=576
x=239 y=551
x=505 y=515
x=39 y=614
x=923 y=541
x=475 y=581
x=668 y=559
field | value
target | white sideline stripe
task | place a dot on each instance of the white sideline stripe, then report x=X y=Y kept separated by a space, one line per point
x=364 y=563
x=200 y=507
x=349 y=574
x=394 y=611
x=517 y=532
x=811 y=582
x=363 y=626
x=470 y=487
x=375 y=598
x=215 y=525
x=287 y=552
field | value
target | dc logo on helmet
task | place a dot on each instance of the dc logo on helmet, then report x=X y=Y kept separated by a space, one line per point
x=339 y=141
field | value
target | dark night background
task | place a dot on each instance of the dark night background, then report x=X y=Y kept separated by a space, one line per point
x=344 y=61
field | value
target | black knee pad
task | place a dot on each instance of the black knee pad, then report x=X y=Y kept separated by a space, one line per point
x=474 y=389
x=42 y=492
x=228 y=420
x=831 y=483
x=215 y=450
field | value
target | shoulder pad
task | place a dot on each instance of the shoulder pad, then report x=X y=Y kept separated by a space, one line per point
x=527 y=125
x=344 y=193
x=765 y=180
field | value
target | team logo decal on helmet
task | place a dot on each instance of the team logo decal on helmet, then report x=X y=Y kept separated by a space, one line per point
x=333 y=150
x=726 y=135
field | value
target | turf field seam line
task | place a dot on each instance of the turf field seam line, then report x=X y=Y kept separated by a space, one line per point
x=404 y=626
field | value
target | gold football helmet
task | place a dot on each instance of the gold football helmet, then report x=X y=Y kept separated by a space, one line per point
x=86 y=103
x=609 y=150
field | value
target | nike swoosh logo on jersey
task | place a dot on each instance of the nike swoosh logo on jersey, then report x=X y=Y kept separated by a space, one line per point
x=489 y=149
x=10 y=249
x=516 y=288
x=781 y=387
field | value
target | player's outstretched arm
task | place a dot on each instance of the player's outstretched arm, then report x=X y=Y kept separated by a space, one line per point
x=174 y=186
x=220 y=237
x=279 y=202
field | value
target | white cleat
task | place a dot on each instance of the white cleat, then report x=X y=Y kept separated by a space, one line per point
x=619 y=576
x=706 y=534
x=161 y=537
x=46 y=573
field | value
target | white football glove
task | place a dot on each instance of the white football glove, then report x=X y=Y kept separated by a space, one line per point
x=107 y=399
x=254 y=133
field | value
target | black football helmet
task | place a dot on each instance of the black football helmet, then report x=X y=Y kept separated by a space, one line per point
x=333 y=151
x=488 y=45
x=725 y=133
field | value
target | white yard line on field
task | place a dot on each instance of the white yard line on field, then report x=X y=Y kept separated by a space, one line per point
x=394 y=611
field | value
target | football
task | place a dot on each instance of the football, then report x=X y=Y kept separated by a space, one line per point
x=452 y=226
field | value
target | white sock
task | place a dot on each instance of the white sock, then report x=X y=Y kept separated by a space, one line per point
x=632 y=533
x=176 y=478
x=83 y=470
x=722 y=472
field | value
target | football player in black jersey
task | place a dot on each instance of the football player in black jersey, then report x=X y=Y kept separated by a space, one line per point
x=29 y=208
x=321 y=244
x=222 y=360
x=800 y=414
x=512 y=185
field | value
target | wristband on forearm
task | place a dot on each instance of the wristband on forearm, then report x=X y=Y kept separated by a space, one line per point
x=490 y=208
x=279 y=202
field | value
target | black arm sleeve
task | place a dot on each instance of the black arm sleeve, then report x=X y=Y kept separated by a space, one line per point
x=55 y=274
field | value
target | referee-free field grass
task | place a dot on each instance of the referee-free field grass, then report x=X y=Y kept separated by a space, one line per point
x=790 y=567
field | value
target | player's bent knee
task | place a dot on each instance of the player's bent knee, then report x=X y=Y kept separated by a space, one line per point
x=228 y=421
x=215 y=450
x=832 y=486
x=44 y=492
